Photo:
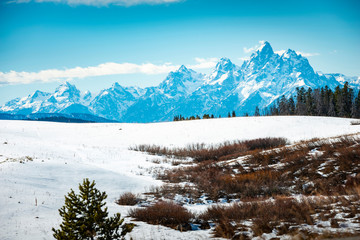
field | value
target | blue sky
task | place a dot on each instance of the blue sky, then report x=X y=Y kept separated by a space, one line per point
x=94 y=43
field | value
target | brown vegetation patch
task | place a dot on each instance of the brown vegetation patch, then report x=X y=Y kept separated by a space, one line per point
x=128 y=198
x=164 y=213
x=202 y=152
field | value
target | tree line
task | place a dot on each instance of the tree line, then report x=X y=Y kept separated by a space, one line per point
x=205 y=116
x=342 y=102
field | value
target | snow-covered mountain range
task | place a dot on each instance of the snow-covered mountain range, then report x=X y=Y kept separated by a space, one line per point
x=259 y=81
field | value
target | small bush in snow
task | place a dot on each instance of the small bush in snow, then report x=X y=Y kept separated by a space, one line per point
x=128 y=198
x=164 y=213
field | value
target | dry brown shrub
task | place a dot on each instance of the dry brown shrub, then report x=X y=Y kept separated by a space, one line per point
x=266 y=215
x=225 y=229
x=128 y=198
x=164 y=213
x=201 y=152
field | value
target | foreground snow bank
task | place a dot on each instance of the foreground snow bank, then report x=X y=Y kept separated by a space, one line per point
x=57 y=156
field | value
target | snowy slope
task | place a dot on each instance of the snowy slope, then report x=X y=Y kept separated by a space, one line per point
x=111 y=103
x=66 y=99
x=64 y=154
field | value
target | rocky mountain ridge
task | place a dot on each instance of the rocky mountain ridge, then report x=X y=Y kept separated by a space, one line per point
x=259 y=81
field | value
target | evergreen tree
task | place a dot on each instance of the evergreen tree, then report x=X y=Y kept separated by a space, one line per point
x=332 y=110
x=339 y=102
x=233 y=114
x=309 y=102
x=85 y=218
x=257 y=111
x=206 y=116
x=291 y=104
x=283 y=106
x=300 y=101
x=347 y=96
x=355 y=111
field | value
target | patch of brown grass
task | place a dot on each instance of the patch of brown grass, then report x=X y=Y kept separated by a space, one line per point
x=201 y=152
x=164 y=213
x=128 y=198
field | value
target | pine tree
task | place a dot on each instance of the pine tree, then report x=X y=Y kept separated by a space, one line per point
x=347 y=94
x=291 y=106
x=283 y=106
x=85 y=218
x=331 y=111
x=233 y=114
x=300 y=101
x=257 y=111
x=355 y=112
x=309 y=102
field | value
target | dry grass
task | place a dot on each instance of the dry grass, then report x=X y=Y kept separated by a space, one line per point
x=164 y=213
x=202 y=152
x=282 y=214
x=309 y=168
x=324 y=170
x=265 y=215
x=128 y=198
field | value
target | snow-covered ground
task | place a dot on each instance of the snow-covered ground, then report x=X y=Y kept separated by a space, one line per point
x=57 y=156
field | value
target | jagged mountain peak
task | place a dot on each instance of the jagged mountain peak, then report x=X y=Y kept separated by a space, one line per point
x=182 y=74
x=181 y=82
x=261 y=56
x=224 y=65
x=117 y=87
x=291 y=54
x=262 y=79
x=66 y=85
x=183 y=69
x=265 y=48
x=38 y=94
x=66 y=88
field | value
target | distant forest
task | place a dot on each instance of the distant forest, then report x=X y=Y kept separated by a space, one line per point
x=342 y=102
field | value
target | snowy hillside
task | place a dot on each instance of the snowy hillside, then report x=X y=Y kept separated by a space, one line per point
x=41 y=161
x=259 y=81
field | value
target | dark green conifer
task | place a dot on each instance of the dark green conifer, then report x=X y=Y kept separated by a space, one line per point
x=84 y=216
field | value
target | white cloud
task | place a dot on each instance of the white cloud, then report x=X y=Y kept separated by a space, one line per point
x=244 y=58
x=203 y=63
x=304 y=54
x=251 y=49
x=104 y=69
x=53 y=75
x=280 y=52
x=100 y=3
x=308 y=54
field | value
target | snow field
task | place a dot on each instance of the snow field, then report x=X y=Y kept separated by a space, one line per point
x=57 y=156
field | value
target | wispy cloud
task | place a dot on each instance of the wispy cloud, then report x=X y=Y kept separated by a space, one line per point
x=244 y=58
x=203 y=63
x=251 y=49
x=100 y=3
x=53 y=75
x=304 y=54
